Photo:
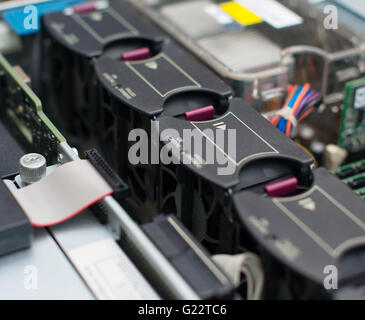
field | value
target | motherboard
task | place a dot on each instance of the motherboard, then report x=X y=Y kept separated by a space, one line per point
x=217 y=146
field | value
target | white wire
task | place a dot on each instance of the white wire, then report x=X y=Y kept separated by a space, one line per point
x=247 y=264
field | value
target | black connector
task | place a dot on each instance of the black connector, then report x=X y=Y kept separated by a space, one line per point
x=121 y=189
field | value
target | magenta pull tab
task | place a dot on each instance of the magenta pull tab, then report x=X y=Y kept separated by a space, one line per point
x=201 y=114
x=138 y=54
x=85 y=7
x=283 y=188
x=89 y=6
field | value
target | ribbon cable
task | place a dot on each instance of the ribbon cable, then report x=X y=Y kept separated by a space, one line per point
x=68 y=190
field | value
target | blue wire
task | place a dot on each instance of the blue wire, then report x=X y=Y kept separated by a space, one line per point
x=295 y=97
x=282 y=122
x=282 y=125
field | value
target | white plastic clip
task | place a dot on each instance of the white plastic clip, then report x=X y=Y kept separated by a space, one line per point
x=287 y=114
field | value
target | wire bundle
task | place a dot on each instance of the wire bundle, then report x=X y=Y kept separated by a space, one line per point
x=301 y=102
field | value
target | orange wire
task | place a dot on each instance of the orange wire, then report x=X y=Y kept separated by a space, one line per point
x=306 y=114
x=306 y=88
x=274 y=121
x=291 y=92
x=296 y=105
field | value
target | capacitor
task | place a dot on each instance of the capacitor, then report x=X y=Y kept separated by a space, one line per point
x=334 y=156
x=306 y=135
x=318 y=149
x=32 y=167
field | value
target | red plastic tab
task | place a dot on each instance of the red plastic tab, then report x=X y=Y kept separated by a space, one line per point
x=283 y=188
x=84 y=7
x=138 y=54
x=201 y=114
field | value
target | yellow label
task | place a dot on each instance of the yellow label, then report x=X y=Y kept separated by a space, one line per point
x=240 y=13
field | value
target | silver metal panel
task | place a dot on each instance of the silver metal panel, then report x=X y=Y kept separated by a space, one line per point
x=107 y=270
x=191 y=17
x=56 y=278
x=356 y=6
x=236 y=52
x=81 y=230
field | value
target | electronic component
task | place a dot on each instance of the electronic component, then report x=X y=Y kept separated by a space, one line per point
x=334 y=156
x=59 y=188
x=170 y=83
x=116 y=89
x=324 y=221
x=23 y=112
x=105 y=79
x=352 y=134
x=356 y=183
x=32 y=167
x=296 y=48
x=318 y=149
x=300 y=103
x=353 y=175
x=72 y=42
x=202 y=188
x=77 y=176
x=170 y=88
x=120 y=188
x=189 y=257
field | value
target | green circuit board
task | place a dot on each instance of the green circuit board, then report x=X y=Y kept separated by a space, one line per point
x=352 y=133
x=353 y=175
x=22 y=110
x=361 y=192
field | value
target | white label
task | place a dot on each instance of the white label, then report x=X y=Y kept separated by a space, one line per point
x=273 y=12
x=109 y=273
x=218 y=14
x=360 y=98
